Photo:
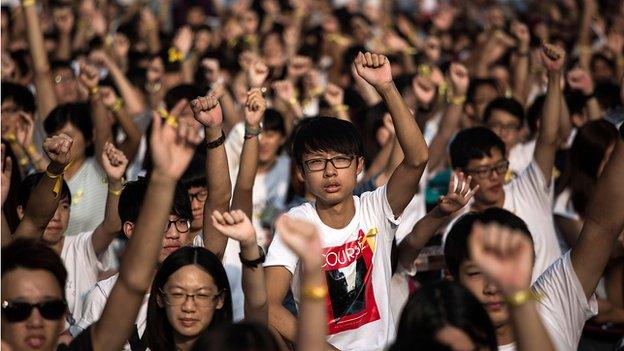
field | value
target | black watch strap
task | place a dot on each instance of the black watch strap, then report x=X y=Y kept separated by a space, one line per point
x=253 y=263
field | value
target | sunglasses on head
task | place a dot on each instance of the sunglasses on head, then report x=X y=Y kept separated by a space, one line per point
x=20 y=311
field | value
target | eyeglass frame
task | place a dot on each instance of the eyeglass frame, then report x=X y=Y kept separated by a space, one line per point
x=186 y=297
x=188 y=223
x=328 y=160
x=196 y=196
x=488 y=170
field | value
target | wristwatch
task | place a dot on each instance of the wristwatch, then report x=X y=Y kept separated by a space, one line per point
x=253 y=263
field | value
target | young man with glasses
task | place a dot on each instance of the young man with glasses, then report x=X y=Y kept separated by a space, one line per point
x=480 y=153
x=356 y=232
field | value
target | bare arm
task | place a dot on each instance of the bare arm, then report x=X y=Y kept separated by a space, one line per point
x=278 y=280
x=130 y=145
x=547 y=138
x=46 y=99
x=208 y=112
x=585 y=53
x=603 y=223
x=172 y=150
x=403 y=184
x=43 y=200
x=521 y=61
x=114 y=163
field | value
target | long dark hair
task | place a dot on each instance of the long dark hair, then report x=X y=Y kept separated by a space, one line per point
x=441 y=304
x=584 y=158
x=159 y=332
x=241 y=336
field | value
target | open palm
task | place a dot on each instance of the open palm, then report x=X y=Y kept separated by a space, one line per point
x=172 y=148
x=235 y=225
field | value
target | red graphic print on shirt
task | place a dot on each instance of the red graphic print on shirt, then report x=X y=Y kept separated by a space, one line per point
x=348 y=271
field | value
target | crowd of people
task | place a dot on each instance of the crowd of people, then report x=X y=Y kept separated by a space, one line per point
x=283 y=174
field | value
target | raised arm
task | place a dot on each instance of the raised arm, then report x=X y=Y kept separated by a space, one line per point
x=243 y=190
x=236 y=225
x=459 y=193
x=303 y=239
x=603 y=223
x=114 y=163
x=548 y=135
x=89 y=77
x=580 y=79
x=403 y=184
x=45 y=198
x=207 y=111
x=172 y=150
x=116 y=106
x=46 y=99
x=449 y=124
x=7 y=168
x=521 y=60
x=506 y=257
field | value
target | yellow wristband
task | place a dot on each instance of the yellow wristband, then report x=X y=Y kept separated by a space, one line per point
x=31 y=150
x=318 y=292
x=114 y=192
x=94 y=90
x=457 y=100
x=340 y=108
x=10 y=137
x=116 y=107
x=28 y=3
x=23 y=161
x=293 y=101
x=521 y=297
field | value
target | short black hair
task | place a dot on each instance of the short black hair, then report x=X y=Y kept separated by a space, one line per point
x=326 y=134
x=456 y=245
x=474 y=143
x=33 y=254
x=273 y=121
x=179 y=92
x=28 y=185
x=476 y=84
x=195 y=174
x=21 y=96
x=505 y=104
x=79 y=115
x=133 y=193
x=239 y=336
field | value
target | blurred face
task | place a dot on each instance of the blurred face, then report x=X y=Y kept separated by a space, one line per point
x=65 y=85
x=270 y=141
x=195 y=16
x=506 y=126
x=272 y=50
x=9 y=116
x=249 y=21
x=198 y=196
x=484 y=94
x=490 y=296
x=80 y=144
x=489 y=173
x=36 y=332
x=190 y=298
x=335 y=183
x=155 y=70
x=601 y=71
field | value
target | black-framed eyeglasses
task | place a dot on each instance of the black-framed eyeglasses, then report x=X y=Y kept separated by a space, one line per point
x=200 y=196
x=15 y=311
x=201 y=299
x=484 y=172
x=182 y=225
x=319 y=164
x=504 y=127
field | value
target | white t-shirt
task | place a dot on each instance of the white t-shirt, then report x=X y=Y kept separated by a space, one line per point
x=563 y=308
x=529 y=197
x=94 y=306
x=88 y=191
x=520 y=156
x=357 y=270
x=83 y=267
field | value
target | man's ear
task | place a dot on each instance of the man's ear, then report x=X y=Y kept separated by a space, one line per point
x=299 y=174
x=360 y=165
x=128 y=229
x=20 y=212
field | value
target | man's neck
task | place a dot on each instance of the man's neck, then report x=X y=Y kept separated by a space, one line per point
x=336 y=216
x=504 y=334
x=483 y=205
x=183 y=343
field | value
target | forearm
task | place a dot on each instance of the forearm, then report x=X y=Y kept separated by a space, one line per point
x=551 y=109
x=38 y=161
x=565 y=125
x=520 y=74
x=409 y=135
x=396 y=156
x=102 y=127
x=153 y=41
x=230 y=116
x=529 y=331
x=242 y=197
x=256 y=306
x=130 y=145
x=111 y=225
x=187 y=69
x=423 y=231
x=448 y=126
x=219 y=192
x=46 y=99
x=35 y=41
x=6 y=231
x=283 y=321
x=312 y=320
x=380 y=161
x=584 y=33
x=594 y=110
x=64 y=49
x=132 y=98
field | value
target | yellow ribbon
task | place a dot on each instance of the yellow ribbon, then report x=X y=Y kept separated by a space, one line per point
x=10 y=137
x=175 y=55
x=169 y=118
x=59 y=180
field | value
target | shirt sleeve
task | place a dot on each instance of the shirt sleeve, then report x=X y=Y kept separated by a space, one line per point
x=279 y=254
x=375 y=205
x=85 y=253
x=563 y=305
x=92 y=309
x=532 y=183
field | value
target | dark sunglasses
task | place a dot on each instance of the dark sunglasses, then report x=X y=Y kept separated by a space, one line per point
x=20 y=311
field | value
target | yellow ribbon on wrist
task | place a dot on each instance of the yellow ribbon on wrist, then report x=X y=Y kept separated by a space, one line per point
x=28 y=3
x=59 y=180
x=521 y=297
x=316 y=292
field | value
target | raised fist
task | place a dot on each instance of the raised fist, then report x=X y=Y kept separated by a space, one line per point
x=59 y=149
x=254 y=108
x=553 y=57
x=374 y=69
x=207 y=111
